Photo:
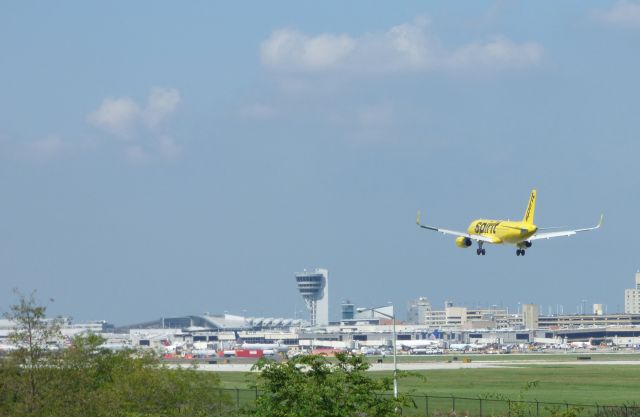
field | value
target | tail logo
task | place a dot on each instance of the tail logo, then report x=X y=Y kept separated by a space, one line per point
x=531 y=200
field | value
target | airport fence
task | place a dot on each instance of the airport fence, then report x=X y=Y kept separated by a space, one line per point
x=240 y=402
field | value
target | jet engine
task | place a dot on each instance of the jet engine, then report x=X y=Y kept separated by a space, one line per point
x=463 y=242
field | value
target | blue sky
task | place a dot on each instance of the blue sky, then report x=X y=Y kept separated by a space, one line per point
x=161 y=158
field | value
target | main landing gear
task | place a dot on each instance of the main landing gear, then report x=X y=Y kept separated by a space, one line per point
x=480 y=250
x=521 y=246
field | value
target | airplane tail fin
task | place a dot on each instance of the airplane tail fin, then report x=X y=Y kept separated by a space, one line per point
x=531 y=208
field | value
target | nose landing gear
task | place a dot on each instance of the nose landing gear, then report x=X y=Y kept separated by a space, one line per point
x=520 y=252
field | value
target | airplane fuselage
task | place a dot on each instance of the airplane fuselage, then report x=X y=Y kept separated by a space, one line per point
x=502 y=231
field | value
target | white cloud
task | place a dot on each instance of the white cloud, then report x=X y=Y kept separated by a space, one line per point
x=496 y=54
x=258 y=111
x=117 y=116
x=403 y=48
x=161 y=103
x=406 y=47
x=291 y=50
x=121 y=116
x=168 y=148
x=162 y=148
x=46 y=148
x=623 y=13
x=136 y=154
x=125 y=118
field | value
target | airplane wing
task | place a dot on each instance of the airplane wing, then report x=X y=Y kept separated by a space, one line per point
x=550 y=235
x=453 y=232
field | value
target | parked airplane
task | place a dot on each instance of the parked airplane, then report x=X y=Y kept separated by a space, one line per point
x=273 y=347
x=519 y=233
x=426 y=351
x=276 y=347
x=418 y=343
x=464 y=347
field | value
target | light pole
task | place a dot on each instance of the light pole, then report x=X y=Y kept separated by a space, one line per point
x=395 y=357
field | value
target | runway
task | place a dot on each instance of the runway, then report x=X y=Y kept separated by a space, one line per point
x=425 y=366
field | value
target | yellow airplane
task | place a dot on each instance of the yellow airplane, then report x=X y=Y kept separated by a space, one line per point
x=520 y=233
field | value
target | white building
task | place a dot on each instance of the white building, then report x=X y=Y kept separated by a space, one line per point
x=598 y=309
x=530 y=314
x=314 y=287
x=632 y=298
x=418 y=311
x=468 y=318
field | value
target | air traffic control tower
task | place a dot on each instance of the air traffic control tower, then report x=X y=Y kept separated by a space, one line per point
x=314 y=287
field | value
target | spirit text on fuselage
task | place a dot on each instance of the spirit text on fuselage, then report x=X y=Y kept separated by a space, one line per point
x=486 y=227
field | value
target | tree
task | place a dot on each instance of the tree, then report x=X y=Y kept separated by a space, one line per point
x=32 y=359
x=88 y=380
x=143 y=387
x=313 y=386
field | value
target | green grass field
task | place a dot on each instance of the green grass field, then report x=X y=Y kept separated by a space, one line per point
x=555 y=357
x=584 y=384
x=579 y=384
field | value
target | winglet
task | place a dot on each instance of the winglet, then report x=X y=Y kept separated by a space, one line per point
x=418 y=218
x=592 y=228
